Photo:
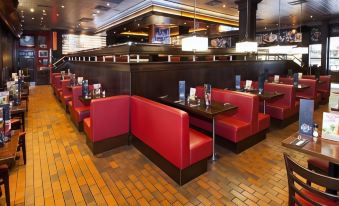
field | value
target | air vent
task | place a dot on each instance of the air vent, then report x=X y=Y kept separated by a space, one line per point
x=102 y=8
x=213 y=2
x=297 y=2
x=113 y=1
x=85 y=19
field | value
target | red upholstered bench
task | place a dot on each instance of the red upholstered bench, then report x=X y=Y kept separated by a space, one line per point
x=286 y=108
x=57 y=85
x=240 y=129
x=108 y=124
x=286 y=80
x=65 y=93
x=311 y=92
x=77 y=109
x=53 y=79
x=162 y=133
x=325 y=88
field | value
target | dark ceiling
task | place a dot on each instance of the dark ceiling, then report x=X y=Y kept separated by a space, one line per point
x=93 y=14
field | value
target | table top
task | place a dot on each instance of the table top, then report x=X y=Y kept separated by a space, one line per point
x=199 y=109
x=87 y=101
x=8 y=151
x=323 y=148
x=266 y=95
x=19 y=108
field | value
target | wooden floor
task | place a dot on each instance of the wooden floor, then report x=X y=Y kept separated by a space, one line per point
x=61 y=170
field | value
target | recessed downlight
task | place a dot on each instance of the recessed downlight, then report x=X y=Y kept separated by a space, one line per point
x=32 y=10
x=62 y=6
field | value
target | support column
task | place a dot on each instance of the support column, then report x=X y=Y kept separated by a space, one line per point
x=325 y=37
x=246 y=23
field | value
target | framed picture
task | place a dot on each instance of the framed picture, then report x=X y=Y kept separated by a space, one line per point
x=42 y=42
x=27 y=41
x=162 y=35
x=45 y=62
x=43 y=53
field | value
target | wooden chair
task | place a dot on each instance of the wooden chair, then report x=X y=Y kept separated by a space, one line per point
x=308 y=195
x=4 y=180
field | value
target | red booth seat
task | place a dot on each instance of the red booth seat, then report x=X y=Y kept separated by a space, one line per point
x=57 y=85
x=77 y=109
x=165 y=132
x=53 y=78
x=240 y=126
x=324 y=88
x=284 y=107
x=65 y=93
x=311 y=92
x=286 y=80
x=108 y=124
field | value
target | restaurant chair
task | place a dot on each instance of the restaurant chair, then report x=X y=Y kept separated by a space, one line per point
x=300 y=193
x=4 y=180
x=66 y=93
x=57 y=85
x=22 y=145
x=77 y=109
x=108 y=124
x=311 y=92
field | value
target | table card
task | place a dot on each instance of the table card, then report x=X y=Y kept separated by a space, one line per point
x=192 y=93
x=237 y=81
x=276 y=78
x=306 y=117
x=248 y=84
x=300 y=75
x=207 y=92
x=295 y=79
x=63 y=75
x=330 y=128
x=14 y=76
x=80 y=80
x=4 y=97
x=182 y=85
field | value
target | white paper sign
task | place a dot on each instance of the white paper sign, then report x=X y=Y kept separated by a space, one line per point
x=248 y=84
x=330 y=128
x=192 y=93
x=300 y=75
x=96 y=86
x=14 y=75
x=80 y=80
x=276 y=78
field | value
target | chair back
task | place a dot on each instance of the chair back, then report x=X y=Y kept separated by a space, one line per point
x=297 y=177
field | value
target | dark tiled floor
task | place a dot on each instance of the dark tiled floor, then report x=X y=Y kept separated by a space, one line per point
x=62 y=171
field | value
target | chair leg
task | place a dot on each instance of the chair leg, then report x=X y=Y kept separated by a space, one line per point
x=6 y=183
x=22 y=140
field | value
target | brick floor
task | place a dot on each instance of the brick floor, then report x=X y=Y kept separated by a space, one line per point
x=61 y=170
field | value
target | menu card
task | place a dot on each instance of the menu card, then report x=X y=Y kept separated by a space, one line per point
x=248 y=84
x=300 y=75
x=306 y=117
x=276 y=78
x=237 y=81
x=4 y=97
x=207 y=92
x=85 y=88
x=192 y=93
x=14 y=76
x=261 y=83
x=63 y=75
x=80 y=80
x=295 y=79
x=330 y=128
x=182 y=85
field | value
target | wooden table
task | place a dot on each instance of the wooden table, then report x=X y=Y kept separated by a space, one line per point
x=19 y=111
x=323 y=148
x=87 y=101
x=9 y=150
x=208 y=112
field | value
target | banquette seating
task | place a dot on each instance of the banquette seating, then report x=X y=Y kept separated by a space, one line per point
x=285 y=107
x=77 y=109
x=240 y=129
x=53 y=79
x=65 y=93
x=56 y=84
x=311 y=92
x=324 y=88
x=162 y=133
x=108 y=124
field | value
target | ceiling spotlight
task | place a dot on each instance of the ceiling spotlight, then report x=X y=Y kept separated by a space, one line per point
x=224 y=5
x=138 y=25
x=44 y=14
x=98 y=11
x=311 y=16
x=107 y=4
x=207 y=26
x=44 y=10
x=114 y=32
x=32 y=10
x=23 y=16
x=62 y=6
x=42 y=18
x=57 y=14
x=33 y=18
x=185 y=23
x=265 y=28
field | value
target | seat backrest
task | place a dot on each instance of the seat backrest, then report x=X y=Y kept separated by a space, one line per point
x=163 y=128
x=64 y=84
x=53 y=77
x=109 y=117
x=57 y=81
x=286 y=80
x=288 y=99
x=298 y=175
x=327 y=83
x=308 y=76
x=76 y=93
x=310 y=92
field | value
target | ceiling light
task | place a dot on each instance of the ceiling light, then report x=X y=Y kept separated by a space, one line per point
x=22 y=11
x=42 y=18
x=62 y=6
x=44 y=10
x=57 y=14
x=32 y=10
x=107 y=4
x=138 y=25
x=265 y=28
x=33 y=18
x=44 y=14
x=185 y=23
x=94 y=14
x=311 y=16
x=23 y=16
x=224 y=5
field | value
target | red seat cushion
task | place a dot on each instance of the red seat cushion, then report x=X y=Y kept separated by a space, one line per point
x=264 y=121
x=232 y=129
x=81 y=113
x=87 y=127
x=200 y=146
x=65 y=99
x=278 y=111
x=315 y=198
x=319 y=163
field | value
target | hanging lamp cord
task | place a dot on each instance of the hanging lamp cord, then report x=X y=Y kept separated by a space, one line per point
x=247 y=19
x=279 y=24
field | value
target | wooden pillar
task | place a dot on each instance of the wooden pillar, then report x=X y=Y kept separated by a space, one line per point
x=325 y=35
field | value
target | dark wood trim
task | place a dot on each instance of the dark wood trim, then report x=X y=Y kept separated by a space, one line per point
x=107 y=144
x=244 y=144
x=180 y=176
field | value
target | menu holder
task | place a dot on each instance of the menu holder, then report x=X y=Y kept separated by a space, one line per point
x=276 y=78
x=192 y=93
x=182 y=87
x=207 y=94
x=248 y=84
x=300 y=75
x=295 y=79
x=306 y=117
x=85 y=88
x=237 y=82
x=330 y=127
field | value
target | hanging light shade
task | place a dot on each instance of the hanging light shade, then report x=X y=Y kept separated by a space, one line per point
x=246 y=47
x=194 y=43
x=278 y=49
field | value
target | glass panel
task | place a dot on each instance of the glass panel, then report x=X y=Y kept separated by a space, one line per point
x=334 y=54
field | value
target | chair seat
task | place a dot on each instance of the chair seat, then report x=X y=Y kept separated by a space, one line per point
x=232 y=129
x=264 y=121
x=82 y=113
x=200 y=146
x=319 y=164
x=278 y=111
x=315 y=198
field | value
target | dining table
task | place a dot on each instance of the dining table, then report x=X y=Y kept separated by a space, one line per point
x=19 y=111
x=199 y=108
x=9 y=149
